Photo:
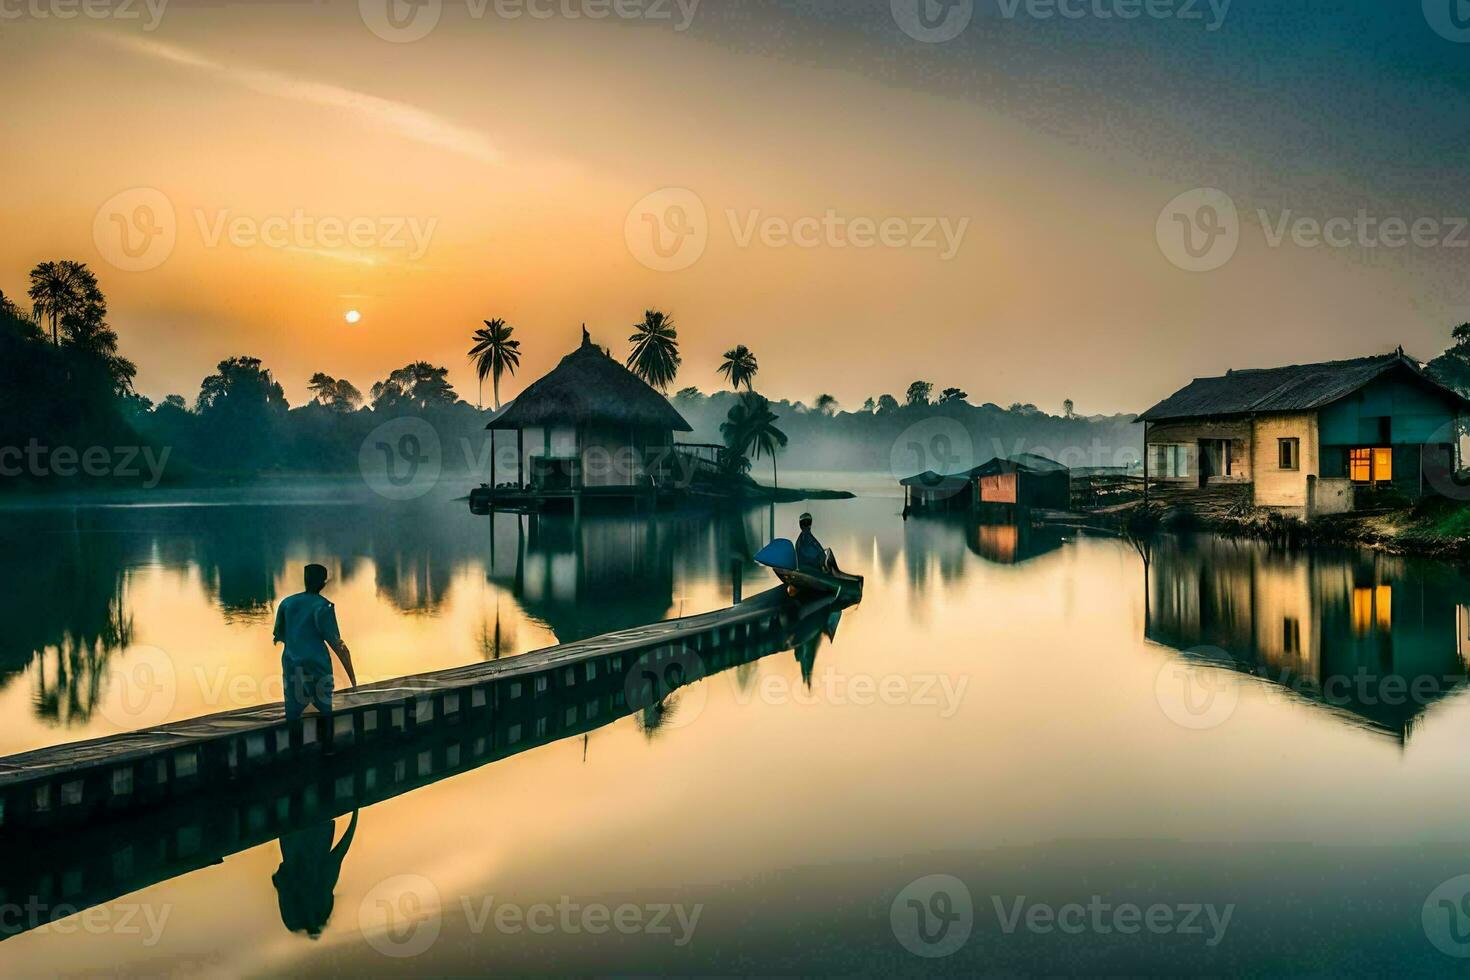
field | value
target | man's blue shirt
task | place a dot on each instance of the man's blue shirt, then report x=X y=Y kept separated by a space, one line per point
x=305 y=622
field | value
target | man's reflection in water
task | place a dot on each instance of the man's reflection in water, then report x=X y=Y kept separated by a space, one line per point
x=308 y=875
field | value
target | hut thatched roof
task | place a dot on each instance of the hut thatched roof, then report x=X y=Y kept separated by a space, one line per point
x=589 y=386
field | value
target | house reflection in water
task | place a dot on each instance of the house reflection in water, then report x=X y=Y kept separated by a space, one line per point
x=1011 y=544
x=1378 y=637
x=605 y=572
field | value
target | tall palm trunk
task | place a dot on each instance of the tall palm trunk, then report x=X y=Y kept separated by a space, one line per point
x=495 y=391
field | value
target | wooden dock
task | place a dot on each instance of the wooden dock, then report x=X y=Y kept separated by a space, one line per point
x=54 y=875
x=82 y=783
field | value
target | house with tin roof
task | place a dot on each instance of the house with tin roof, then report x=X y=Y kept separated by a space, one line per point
x=1308 y=438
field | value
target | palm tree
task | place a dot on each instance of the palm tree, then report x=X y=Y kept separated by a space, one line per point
x=655 y=354
x=739 y=367
x=494 y=354
x=750 y=428
x=825 y=404
x=59 y=288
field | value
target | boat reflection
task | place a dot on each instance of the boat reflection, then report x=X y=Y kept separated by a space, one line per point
x=1377 y=637
x=56 y=876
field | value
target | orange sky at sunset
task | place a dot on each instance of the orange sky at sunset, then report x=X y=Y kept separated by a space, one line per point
x=522 y=145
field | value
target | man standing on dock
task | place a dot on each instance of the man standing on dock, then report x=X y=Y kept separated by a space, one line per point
x=307 y=624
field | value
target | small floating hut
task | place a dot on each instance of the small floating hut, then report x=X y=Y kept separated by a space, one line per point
x=589 y=428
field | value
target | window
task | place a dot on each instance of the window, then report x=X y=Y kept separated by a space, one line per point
x=1215 y=454
x=1373 y=465
x=1168 y=461
x=1372 y=609
x=1288 y=453
x=1382 y=464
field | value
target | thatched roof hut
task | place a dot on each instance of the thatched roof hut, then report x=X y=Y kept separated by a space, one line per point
x=591 y=424
x=588 y=386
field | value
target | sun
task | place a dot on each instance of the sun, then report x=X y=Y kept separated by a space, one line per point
x=352 y=316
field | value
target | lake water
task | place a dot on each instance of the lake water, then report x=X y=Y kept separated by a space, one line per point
x=1021 y=753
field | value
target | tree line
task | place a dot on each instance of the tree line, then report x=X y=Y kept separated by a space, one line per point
x=64 y=382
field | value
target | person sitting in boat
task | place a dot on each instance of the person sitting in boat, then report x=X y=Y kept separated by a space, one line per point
x=810 y=555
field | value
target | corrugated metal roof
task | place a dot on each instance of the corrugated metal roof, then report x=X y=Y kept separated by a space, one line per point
x=1295 y=388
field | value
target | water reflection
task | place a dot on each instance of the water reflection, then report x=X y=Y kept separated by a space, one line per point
x=1379 y=637
x=96 y=863
x=307 y=878
x=72 y=609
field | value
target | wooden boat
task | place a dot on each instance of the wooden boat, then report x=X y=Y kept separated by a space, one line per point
x=780 y=557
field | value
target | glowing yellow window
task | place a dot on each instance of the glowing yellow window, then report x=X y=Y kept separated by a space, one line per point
x=1360 y=465
x=1372 y=609
x=1383 y=599
x=1382 y=464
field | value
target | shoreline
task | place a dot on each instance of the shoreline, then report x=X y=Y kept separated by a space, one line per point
x=1436 y=529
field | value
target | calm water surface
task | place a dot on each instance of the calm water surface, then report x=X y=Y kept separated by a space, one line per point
x=1267 y=749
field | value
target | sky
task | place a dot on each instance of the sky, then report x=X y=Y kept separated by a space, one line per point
x=1032 y=200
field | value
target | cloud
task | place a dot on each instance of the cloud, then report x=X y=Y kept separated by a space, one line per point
x=405 y=120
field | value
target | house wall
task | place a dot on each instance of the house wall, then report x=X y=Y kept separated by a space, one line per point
x=1276 y=487
x=1189 y=432
x=1418 y=415
x=998 y=489
x=536 y=440
x=611 y=458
